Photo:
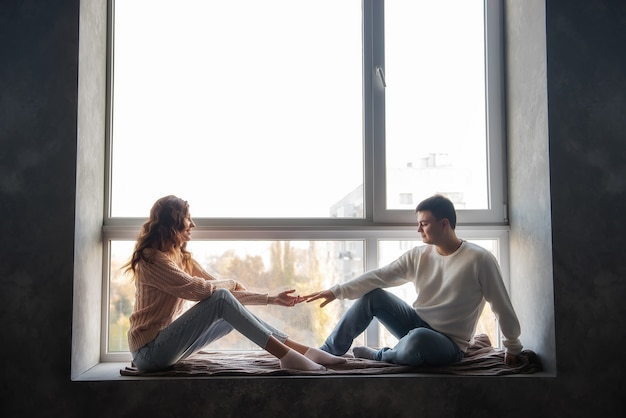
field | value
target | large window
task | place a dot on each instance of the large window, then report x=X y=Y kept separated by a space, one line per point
x=303 y=134
x=250 y=109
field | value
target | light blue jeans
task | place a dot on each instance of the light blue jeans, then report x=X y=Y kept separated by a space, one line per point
x=207 y=321
x=418 y=343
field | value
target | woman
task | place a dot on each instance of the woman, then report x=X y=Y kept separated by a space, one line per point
x=166 y=275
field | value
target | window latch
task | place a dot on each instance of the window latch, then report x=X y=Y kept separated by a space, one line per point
x=381 y=74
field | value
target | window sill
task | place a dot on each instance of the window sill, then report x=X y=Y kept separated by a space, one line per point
x=110 y=371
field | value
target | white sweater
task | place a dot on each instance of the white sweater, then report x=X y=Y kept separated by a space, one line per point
x=451 y=290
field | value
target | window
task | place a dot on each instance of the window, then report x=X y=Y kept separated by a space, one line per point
x=435 y=132
x=251 y=115
x=263 y=266
x=310 y=139
x=406 y=198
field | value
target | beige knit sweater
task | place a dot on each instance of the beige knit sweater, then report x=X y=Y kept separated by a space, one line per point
x=161 y=289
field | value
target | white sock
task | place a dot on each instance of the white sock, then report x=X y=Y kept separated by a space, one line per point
x=322 y=357
x=364 y=352
x=296 y=361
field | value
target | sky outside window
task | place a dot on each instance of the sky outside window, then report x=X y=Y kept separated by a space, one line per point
x=254 y=109
x=244 y=108
x=435 y=121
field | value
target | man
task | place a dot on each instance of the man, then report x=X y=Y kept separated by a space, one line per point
x=453 y=279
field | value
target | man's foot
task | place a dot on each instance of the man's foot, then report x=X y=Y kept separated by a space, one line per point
x=365 y=352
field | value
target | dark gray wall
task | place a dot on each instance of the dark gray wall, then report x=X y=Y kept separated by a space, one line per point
x=586 y=83
x=587 y=125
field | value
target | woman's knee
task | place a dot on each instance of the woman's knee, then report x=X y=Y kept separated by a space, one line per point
x=217 y=299
x=221 y=293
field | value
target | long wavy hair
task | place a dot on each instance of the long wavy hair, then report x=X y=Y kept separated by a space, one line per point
x=163 y=231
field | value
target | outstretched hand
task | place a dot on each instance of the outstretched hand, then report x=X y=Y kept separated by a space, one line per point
x=327 y=295
x=285 y=299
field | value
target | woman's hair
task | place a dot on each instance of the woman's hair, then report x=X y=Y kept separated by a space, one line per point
x=163 y=231
x=440 y=206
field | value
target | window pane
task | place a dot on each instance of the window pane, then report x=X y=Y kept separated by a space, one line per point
x=435 y=102
x=263 y=266
x=121 y=297
x=390 y=250
x=246 y=108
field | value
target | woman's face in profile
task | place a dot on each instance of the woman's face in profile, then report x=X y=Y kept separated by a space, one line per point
x=188 y=226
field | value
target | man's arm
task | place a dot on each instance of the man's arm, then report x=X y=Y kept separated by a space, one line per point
x=496 y=294
x=396 y=273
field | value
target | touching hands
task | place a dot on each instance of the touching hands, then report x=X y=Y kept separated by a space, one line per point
x=327 y=295
x=285 y=299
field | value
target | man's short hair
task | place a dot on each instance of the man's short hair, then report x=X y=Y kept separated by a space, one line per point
x=440 y=206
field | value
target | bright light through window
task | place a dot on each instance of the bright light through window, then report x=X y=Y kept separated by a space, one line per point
x=435 y=102
x=240 y=113
x=262 y=266
x=277 y=109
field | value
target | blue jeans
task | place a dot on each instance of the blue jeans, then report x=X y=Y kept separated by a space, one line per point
x=207 y=321
x=418 y=343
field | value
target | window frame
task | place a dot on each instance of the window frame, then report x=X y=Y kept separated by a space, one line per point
x=377 y=222
x=497 y=213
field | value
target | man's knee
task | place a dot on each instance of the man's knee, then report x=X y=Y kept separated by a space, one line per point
x=413 y=348
x=424 y=345
x=423 y=332
x=374 y=296
x=421 y=338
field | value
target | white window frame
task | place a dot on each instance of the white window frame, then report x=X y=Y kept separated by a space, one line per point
x=377 y=223
x=497 y=212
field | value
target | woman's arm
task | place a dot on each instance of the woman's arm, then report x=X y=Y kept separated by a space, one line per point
x=247 y=297
x=159 y=271
x=286 y=299
x=200 y=272
x=254 y=298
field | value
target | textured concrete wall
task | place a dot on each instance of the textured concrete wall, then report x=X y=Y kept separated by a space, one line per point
x=90 y=180
x=587 y=127
x=531 y=272
x=586 y=81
